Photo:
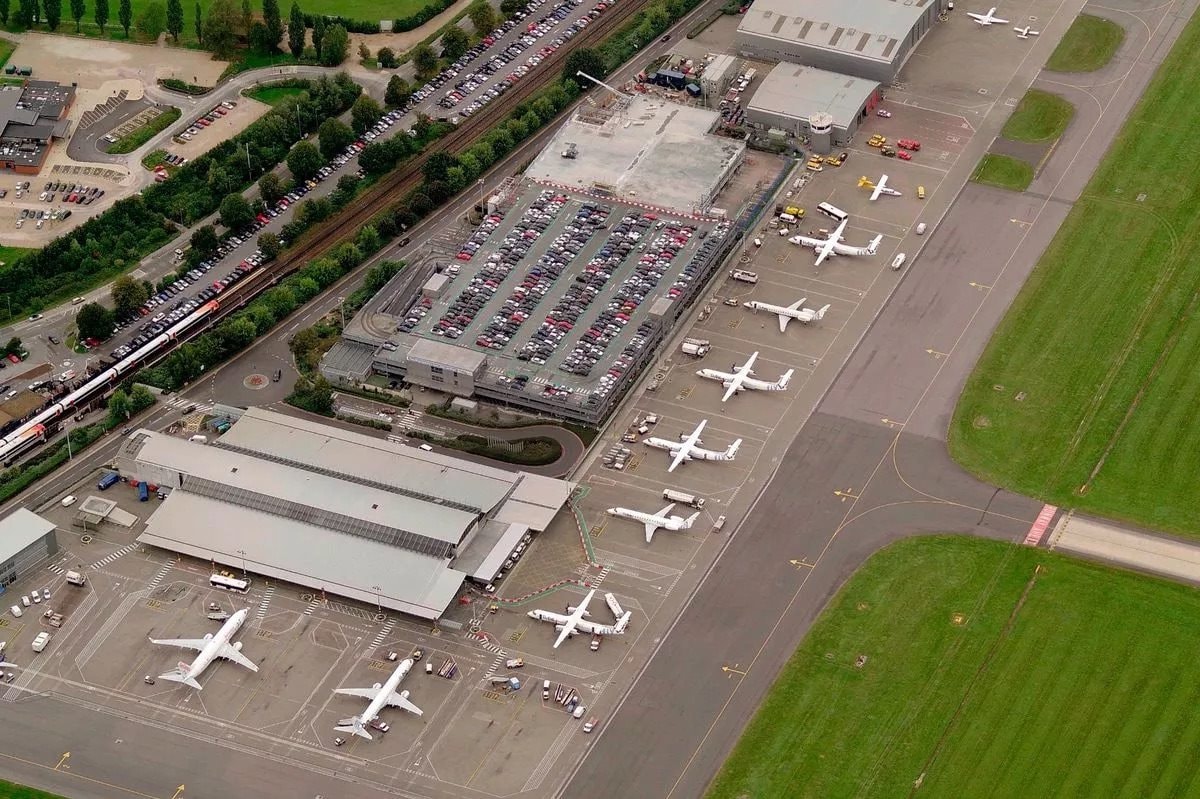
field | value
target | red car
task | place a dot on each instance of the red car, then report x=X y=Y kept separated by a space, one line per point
x=904 y=155
x=909 y=144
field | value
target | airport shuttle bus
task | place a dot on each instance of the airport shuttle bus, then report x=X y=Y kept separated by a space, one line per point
x=833 y=212
x=240 y=585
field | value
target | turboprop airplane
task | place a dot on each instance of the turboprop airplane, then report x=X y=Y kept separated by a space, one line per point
x=989 y=18
x=833 y=245
x=653 y=521
x=1025 y=33
x=381 y=696
x=789 y=312
x=210 y=648
x=740 y=378
x=686 y=449
x=575 y=622
x=879 y=187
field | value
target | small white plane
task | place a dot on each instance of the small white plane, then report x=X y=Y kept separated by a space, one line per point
x=833 y=245
x=789 y=312
x=1025 y=33
x=653 y=521
x=381 y=696
x=989 y=18
x=880 y=187
x=575 y=622
x=210 y=648
x=740 y=378
x=686 y=449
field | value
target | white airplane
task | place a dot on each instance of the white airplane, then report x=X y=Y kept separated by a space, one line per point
x=381 y=696
x=833 y=245
x=653 y=521
x=989 y=18
x=574 y=622
x=740 y=378
x=880 y=187
x=789 y=312
x=1025 y=33
x=686 y=449
x=210 y=648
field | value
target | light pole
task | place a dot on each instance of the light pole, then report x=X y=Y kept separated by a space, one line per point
x=378 y=597
x=242 y=552
x=342 y=309
x=249 y=173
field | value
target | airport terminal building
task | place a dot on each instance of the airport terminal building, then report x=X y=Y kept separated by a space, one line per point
x=337 y=511
x=26 y=542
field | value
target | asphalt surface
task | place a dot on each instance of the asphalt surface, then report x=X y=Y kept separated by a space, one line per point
x=877 y=438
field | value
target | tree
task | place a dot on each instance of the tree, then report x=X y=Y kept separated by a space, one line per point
x=259 y=38
x=78 y=9
x=454 y=43
x=53 y=13
x=235 y=211
x=174 y=19
x=483 y=17
x=304 y=160
x=386 y=57
x=247 y=16
x=125 y=15
x=296 y=31
x=153 y=20
x=318 y=34
x=119 y=408
x=140 y=398
x=220 y=28
x=335 y=47
x=269 y=244
x=24 y=15
x=434 y=169
x=398 y=91
x=128 y=295
x=204 y=241
x=94 y=321
x=584 y=60
x=364 y=52
x=270 y=188
x=199 y=25
x=364 y=114
x=334 y=136
x=510 y=7
x=424 y=59
x=273 y=21
x=4 y=12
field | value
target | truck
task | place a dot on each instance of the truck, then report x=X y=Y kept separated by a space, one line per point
x=698 y=347
x=744 y=275
x=76 y=578
x=515 y=663
x=108 y=480
x=143 y=491
x=671 y=495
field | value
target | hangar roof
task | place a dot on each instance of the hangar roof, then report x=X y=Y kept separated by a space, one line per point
x=20 y=529
x=799 y=92
x=871 y=29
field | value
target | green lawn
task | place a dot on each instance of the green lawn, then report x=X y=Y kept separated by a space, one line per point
x=1040 y=116
x=1003 y=171
x=9 y=255
x=1086 y=394
x=273 y=95
x=1089 y=44
x=134 y=140
x=10 y=790
x=991 y=670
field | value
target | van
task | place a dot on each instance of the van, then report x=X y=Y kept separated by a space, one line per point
x=108 y=480
x=75 y=578
x=545 y=689
x=16 y=611
x=39 y=643
x=425 y=448
x=920 y=192
x=579 y=711
x=199 y=439
x=921 y=229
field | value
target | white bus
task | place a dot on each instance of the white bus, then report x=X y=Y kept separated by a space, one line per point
x=241 y=585
x=833 y=212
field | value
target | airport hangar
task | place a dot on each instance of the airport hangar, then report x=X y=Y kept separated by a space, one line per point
x=338 y=511
x=26 y=541
x=630 y=153
x=868 y=38
x=795 y=101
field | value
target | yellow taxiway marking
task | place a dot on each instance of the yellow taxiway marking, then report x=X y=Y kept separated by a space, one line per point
x=732 y=670
x=845 y=495
x=888 y=421
x=802 y=564
x=62 y=760
x=937 y=354
x=975 y=285
x=179 y=792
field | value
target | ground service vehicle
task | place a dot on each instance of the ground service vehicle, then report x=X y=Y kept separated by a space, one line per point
x=671 y=495
x=76 y=578
x=108 y=480
x=695 y=346
x=744 y=275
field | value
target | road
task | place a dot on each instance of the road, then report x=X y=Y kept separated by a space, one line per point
x=877 y=439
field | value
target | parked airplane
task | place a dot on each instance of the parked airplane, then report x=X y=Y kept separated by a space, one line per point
x=574 y=622
x=879 y=188
x=686 y=449
x=833 y=245
x=989 y=18
x=1025 y=33
x=210 y=648
x=653 y=521
x=381 y=696
x=790 y=312
x=740 y=378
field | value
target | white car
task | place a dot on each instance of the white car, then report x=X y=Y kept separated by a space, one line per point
x=898 y=261
x=68 y=500
x=35 y=596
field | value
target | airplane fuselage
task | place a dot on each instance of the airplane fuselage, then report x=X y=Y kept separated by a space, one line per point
x=215 y=644
x=386 y=690
x=672 y=523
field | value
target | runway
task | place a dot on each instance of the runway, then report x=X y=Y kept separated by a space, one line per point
x=870 y=465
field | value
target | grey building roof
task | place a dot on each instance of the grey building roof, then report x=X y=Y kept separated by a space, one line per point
x=798 y=92
x=872 y=29
x=305 y=554
x=19 y=529
x=439 y=353
x=485 y=555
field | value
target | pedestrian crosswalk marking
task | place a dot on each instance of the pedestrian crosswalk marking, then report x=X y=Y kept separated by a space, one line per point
x=387 y=628
x=262 y=606
x=122 y=551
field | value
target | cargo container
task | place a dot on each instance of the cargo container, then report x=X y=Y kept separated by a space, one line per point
x=108 y=480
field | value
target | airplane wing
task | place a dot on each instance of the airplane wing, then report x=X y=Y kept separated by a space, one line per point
x=361 y=693
x=566 y=632
x=651 y=529
x=401 y=701
x=878 y=191
x=680 y=455
x=666 y=510
x=229 y=653
x=824 y=250
x=732 y=385
x=196 y=644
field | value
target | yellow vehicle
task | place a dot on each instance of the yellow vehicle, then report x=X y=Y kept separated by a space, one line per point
x=877 y=141
x=815 y=164
x=920 y=192
x=833 y=160
x=795 y=211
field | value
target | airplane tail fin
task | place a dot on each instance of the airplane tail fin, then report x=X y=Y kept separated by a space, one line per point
x=873 y=247
x=687 y=524
x=622 y=622
x=354 y=726
x=180 y=674
x=732 y=451
x=786 y=378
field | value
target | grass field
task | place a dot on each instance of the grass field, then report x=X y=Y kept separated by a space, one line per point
x=1086 y=394
x=134 y=140
x=985 y=676
x=273 y=95
x=1040 y=116
x=1089 y=44
x=10 y=790
x=9 y=255
x=1003 y=171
